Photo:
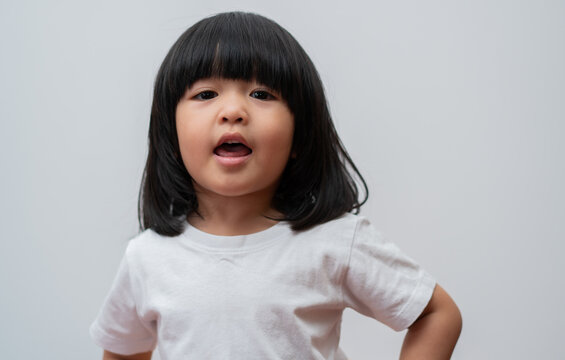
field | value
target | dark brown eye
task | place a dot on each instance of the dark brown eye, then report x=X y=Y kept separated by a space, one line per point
x=262 y=95
x=206 y=95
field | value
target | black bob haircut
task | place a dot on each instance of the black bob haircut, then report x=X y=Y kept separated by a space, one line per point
x=317 y=184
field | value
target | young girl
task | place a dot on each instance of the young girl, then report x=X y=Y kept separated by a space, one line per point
x=249 y=248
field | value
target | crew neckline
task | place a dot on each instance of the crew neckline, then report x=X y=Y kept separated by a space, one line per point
x=213 y=242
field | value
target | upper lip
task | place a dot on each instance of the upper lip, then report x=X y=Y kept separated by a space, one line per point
x=232 y=138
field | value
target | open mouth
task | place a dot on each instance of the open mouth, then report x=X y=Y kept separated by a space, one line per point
x=232 y=149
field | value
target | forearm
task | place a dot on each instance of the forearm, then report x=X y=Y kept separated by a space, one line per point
x=435 y=333
x=113 y=356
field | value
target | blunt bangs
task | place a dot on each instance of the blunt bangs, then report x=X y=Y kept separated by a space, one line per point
x=235 y=46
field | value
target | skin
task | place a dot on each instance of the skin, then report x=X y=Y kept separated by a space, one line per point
x=234 y=200
x=112 y=356
x=435 y=333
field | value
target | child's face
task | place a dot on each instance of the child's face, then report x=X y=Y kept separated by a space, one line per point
x=235 y=137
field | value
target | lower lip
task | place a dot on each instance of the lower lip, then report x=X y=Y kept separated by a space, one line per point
x=231 y=161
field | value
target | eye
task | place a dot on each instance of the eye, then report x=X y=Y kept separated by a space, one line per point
x=262 y=95
x=205 y=95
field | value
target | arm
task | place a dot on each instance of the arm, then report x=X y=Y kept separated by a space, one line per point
x=112 y=356
x=434 y=334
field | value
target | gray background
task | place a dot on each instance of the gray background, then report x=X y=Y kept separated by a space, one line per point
x=453 y=110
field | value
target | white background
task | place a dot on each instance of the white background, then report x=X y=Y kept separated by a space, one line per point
x=453 y=110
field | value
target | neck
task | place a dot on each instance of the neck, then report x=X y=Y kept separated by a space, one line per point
x=238 y=215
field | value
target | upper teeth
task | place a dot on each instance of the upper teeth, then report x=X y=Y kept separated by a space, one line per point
x=232 y=142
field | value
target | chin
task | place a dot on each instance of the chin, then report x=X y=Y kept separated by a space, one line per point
x=227 y=190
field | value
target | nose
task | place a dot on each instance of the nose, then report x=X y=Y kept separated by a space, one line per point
x=233 y=109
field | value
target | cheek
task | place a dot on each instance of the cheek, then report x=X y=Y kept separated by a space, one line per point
x=278 y=139
x=191 y=145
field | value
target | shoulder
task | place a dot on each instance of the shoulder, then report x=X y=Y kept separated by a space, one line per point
x=346 y=226
x=351 y=235
x=149 y=246
x=145 y=240
x=342 y=232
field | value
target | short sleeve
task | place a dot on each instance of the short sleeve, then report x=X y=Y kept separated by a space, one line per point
x=118 y=327
x=384 y=283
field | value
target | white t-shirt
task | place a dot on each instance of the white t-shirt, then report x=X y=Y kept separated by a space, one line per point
x=275 y=294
